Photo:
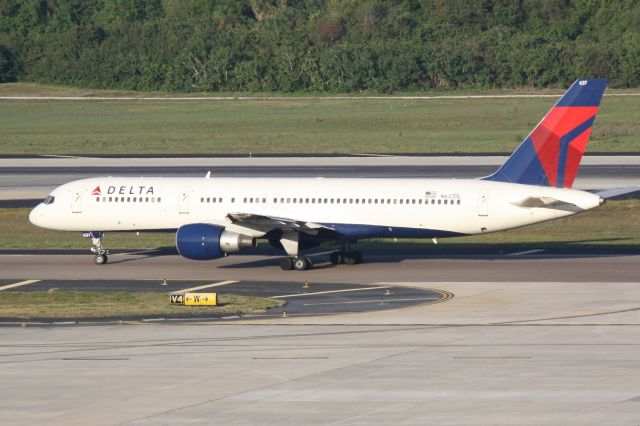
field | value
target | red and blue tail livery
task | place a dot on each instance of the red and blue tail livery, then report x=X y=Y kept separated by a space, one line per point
x=551 y=154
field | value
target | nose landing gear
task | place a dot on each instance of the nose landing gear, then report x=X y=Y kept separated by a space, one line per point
x=100 y=252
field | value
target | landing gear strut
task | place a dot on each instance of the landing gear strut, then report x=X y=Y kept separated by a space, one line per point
x=101 y=253
x=345 y=255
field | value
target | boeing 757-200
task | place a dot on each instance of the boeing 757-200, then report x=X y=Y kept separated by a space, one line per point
x=213 y=217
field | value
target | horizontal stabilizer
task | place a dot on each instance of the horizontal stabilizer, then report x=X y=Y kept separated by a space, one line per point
x=616 y=192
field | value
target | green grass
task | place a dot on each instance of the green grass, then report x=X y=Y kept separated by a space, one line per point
x=96 y=304
x=613 y=225
x=288 y=126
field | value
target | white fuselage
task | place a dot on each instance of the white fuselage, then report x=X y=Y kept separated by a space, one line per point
x=399 y=207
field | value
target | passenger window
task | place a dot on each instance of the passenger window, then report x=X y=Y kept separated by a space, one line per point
x=159 y=199
x=97 y=199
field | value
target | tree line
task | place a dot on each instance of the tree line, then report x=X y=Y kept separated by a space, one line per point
x=318 y=45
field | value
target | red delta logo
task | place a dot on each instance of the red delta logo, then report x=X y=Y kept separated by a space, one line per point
x=96 y=191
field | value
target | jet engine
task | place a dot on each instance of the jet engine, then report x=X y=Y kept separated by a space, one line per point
x=203 y=241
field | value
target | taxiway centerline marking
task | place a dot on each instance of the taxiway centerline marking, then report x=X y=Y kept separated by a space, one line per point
x=327 y=292
x=219 y=284
x=372 y=301
x=19 y=284
x=520 y=253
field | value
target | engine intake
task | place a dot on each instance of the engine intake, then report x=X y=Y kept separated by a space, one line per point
x=203 y=241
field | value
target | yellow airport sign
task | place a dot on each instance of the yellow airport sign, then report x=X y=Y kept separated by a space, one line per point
x=200 y=299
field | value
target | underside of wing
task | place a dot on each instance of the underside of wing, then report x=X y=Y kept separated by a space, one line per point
x=258 y=225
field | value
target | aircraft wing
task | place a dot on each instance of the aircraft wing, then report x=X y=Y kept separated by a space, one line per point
x=615 y=192
x=258 y=225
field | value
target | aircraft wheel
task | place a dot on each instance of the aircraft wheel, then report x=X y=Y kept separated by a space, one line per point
x=286 y=263
x=301 y=263
x=349 y=259
x=336 y=258
x=352 y=258
x=100 y=259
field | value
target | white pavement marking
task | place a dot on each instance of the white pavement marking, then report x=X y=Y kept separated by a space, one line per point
x=372 y=301
x=328 y=292
x=219 y=284
x=520 y=253
x=278 y=98
x=21 y=283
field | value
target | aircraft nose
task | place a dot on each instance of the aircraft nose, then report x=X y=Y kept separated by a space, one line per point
x=35 y=217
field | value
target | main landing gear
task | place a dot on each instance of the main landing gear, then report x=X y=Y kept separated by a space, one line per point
x=101 y=253
x=299 y=263
x=347 y=258
x=344 y=256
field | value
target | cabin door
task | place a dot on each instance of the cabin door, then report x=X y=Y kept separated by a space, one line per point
x=76 y=200
x=183 y=201
x=483 y=203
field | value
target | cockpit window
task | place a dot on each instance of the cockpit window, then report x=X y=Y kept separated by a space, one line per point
x=49 y=200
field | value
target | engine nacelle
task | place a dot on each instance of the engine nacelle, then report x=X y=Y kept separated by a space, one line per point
x=203 y=241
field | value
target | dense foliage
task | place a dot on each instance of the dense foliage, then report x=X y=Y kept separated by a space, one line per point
x=318 y=45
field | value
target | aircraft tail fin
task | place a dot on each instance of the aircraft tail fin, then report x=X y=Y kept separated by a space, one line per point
x=551 y=154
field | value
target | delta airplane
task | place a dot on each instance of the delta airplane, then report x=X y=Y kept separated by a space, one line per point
x=213 y=217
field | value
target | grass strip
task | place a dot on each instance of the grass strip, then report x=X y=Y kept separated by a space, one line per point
x=102 y=304
x=321 y=126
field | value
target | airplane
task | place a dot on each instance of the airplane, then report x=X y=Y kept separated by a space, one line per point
x=213 y=216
